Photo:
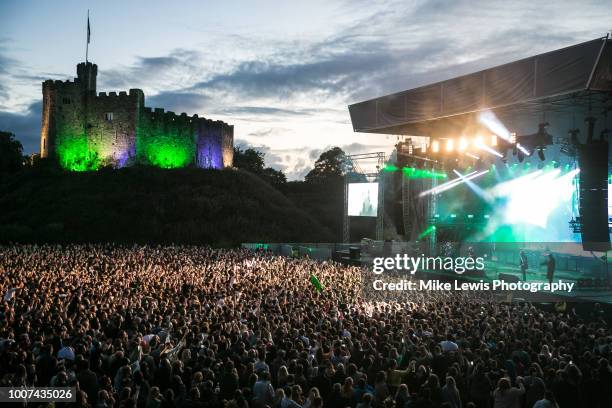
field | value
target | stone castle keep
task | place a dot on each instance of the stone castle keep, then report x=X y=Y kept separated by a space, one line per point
x=84 y=130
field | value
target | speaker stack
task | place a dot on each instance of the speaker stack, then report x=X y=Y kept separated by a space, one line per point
x=593 y=162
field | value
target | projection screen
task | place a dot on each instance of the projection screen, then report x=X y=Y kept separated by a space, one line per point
x=362 y=199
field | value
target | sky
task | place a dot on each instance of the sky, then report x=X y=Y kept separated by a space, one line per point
x=282 y=72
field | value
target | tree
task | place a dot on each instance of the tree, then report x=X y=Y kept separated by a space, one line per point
x=249 y=160
x=11 y=153
x=274 y=177
x=253 y=161
x=329 y=167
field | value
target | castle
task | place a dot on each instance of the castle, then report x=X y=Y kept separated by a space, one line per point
x=84 y=130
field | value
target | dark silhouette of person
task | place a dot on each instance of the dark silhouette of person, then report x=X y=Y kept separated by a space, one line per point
x=550 y=267
x=523 y=264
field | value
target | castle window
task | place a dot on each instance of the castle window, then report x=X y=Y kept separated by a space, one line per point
x=65 y=101
x=108 y=116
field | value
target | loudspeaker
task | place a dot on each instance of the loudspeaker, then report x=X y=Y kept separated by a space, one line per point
x=593 y=162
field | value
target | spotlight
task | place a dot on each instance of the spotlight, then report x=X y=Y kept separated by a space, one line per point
x=512 y=137
x=522 y=149
x=492 y=151
x=541 y=154
x=450 y=145
x=435 y=146
x=463 y=143
x=493 y=140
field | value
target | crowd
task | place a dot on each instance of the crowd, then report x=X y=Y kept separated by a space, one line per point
x=179 y=326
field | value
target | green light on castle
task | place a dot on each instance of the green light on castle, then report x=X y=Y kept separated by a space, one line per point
x=169 y=154
x=75 y=154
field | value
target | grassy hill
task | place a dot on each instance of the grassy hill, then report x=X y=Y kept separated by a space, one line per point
x=129 y=205
x=325 y=202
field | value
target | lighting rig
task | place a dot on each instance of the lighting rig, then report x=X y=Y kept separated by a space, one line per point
x=448 y=152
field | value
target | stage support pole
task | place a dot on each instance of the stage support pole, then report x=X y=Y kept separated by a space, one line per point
x=345 y=217
x=433 y=208
x=380 y=214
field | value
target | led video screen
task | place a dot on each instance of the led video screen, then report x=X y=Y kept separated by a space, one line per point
x=363 y=199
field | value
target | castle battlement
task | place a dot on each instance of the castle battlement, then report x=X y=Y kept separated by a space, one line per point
x=58 y=84
x=121 y=131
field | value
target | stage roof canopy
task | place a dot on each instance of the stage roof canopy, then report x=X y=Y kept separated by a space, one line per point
x=574 y=72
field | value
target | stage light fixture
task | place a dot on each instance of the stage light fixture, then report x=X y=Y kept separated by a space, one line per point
x=541 y=154
x=435 y=146
x=478 y=141
x=493 y=140
x=512 y=137
x=450 y=145
x=463 y=144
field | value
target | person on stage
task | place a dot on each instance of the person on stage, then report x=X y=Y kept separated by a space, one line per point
x=550 y=267
x=523 y=264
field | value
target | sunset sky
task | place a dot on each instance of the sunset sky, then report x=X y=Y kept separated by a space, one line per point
x=282 y=72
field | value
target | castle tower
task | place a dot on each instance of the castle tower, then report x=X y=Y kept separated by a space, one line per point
x=67 y=99
x=47 y=130
x=86 y=75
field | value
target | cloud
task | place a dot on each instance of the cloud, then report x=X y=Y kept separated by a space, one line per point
x=264 y=110
x=25 y=126
x=156 y=72
x=295 y=163
x=329 y=73
x=266 y=132
x=178 y=102
x=6 y=62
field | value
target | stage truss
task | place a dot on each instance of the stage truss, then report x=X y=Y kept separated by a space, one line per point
x=356 y=171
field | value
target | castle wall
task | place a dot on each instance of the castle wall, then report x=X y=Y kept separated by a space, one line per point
x=114 y=140
x=165 y=139
x=227 y=145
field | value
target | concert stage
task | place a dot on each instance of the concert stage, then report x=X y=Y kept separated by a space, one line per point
x=515 y=153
